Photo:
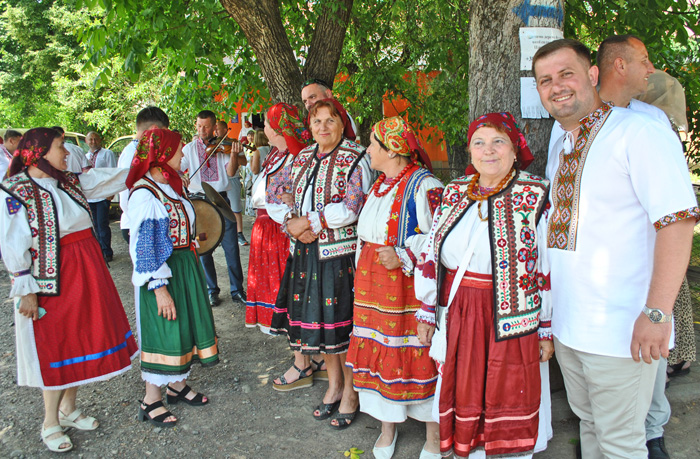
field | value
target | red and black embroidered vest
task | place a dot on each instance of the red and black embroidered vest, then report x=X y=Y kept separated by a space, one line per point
x=329 y=182
x=43 y=221
x=513 y=217
x=179 y=228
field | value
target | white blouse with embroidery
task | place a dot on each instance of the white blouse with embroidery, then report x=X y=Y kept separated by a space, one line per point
x=16 y=234
x=372 y=226
x=150 y=245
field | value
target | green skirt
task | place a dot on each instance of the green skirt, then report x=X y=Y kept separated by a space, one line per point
x=169 y=347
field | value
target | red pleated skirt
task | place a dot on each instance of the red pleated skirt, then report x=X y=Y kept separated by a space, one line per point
x=84 y=335
x=490 y=392
x=269 y=250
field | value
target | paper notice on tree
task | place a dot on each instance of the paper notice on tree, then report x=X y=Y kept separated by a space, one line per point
x=532 y=39
x=530 y=104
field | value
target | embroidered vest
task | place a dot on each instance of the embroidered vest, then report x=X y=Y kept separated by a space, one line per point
x=43 y=221
x=513 y=217
x=330 y=176
x=403 y=220
x=179 y=232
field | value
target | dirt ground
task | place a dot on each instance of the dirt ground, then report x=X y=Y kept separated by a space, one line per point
x=246 y=418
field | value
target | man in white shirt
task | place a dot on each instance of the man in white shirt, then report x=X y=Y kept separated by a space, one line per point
x=148 y=118
x=101 y=157
x=77 y=162
x=625 y=67
x=214 y=172
x=7 y=149
x=234 y=194
x=619 y=238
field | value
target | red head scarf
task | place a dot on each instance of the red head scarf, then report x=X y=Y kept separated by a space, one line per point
x=398 y=137
x=155 y=149
x=284 y=119
x=504 y=120
x=348 y=132
x=32 y=147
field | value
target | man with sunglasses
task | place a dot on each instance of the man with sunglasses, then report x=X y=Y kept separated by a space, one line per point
x=313 y=90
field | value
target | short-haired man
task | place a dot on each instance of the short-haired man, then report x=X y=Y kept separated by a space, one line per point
x=625 y=67
x=101 y=157
x=77 y=162
x=215 y=172
x=314 y=90
x=150 y=117
x=619 y=238
x=7 y=149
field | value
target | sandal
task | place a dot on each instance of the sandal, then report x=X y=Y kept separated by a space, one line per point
x=326 y=410
x=197 y=400
x=677 y=369
x=301 y=383
x=321 y=375
x=158 y=420
x=54 y=444
x=345 y=420
x=87 y=423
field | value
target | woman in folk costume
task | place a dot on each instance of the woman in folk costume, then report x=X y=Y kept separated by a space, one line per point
x=269 y=245
x=392 y=371
x=328 y=181
x=175 y=322
x=69 y=322
x=485 y=268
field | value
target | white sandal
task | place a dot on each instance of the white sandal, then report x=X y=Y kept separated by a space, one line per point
x=87 y=423
x=54 y=444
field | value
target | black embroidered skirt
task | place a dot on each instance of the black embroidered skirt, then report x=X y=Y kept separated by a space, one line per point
x=315 y=301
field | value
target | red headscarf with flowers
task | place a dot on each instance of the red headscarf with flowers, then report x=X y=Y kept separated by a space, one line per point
x=348 y=131
x=155 y=149
x=398 y=137
x=32 y=147
x=504 y=120
x=284 y=119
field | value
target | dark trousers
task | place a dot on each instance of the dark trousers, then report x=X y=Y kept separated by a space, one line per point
x=233 y=260
x=100 y=215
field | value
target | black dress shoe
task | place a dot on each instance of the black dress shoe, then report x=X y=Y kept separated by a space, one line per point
x=214 y=299
x=657 y=448
x=239 y=298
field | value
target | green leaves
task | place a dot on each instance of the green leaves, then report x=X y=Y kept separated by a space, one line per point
x=353 y=453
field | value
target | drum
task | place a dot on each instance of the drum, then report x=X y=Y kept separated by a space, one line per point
x=209 y=225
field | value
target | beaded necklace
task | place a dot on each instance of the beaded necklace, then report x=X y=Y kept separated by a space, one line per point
x=390 y=183
x=480 y=194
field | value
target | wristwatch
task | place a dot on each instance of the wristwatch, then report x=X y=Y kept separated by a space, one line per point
x=657 y=316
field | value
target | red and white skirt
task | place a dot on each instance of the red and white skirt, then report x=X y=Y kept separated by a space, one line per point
x=84 y=335
x=269 y=250
x=490 y=391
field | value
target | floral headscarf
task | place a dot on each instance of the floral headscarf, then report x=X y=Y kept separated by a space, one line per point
x=398 y=137
x=155 y=149
x=505 y=120
x=284 y=119
x=32 y=147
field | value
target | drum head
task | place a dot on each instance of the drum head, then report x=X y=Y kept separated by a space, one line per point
x=209 y=225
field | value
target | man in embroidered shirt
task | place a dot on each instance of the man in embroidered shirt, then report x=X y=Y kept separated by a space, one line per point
x=625 y=67
x=101 y=157
x=7 y=149
x=148 y=118
x=214 y=172
x=619 y=238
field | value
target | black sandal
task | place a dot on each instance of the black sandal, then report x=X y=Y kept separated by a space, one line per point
x=158 y=420
x=326 y=410
x=306 y=379
x=677 y=369
x=198 y=399
x=345 y=420
x=319 y=375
